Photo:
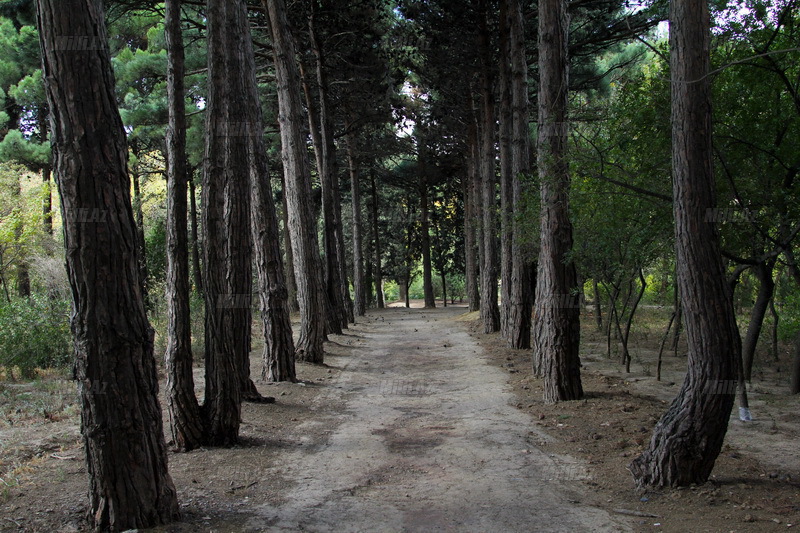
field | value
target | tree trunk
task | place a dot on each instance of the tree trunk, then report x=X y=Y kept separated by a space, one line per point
x=121 y=424
x=291 y=285
x=196 y=266
x=305 y=247
x=557 y=318
x=689 y=436
x=598 y=309
x=137 y=209
x=522 y=270
x=490 y=313
x=506 y=120
x=359 y=290
x=47 y=170
x=766 y=288
x=278 y=354
x=402 y=290
x=331 y=212
x=795 y=385
x=471 y=226
x=376 y=240
x=425 y=233
x=185 y=421
x=226 y=223
x=676 y=337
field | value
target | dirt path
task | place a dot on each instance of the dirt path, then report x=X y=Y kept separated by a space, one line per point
x=428 y=441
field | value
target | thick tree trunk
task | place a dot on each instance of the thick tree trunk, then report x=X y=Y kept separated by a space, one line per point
x=121 y=420
x=766 y=288
x=522 y=269
x=490 y=313
x=185 y=422
x=226 y=223
x=557 y=318
x=380 y=300
x=689 y=436
x=359 y=289
x=305 y=247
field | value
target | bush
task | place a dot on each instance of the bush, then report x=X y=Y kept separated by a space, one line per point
x=34 y=333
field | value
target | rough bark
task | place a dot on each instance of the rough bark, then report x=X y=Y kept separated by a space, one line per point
x=522 y=268
x=278 y=352
x=121 y=424
x=490 y=313
x=291 y=286
x=185 y=421
x=689 y=436
x=226 y=223
x=380 y=300
x=557 y=317
x=305 y=248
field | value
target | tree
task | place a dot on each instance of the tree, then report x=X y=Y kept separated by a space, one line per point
x=114 y=365
x=557 y=316
x=226 y=223
x=689 y=436
x=278 y=356
x=522 y=268
x=490 y=313
x=305 y=248
x=186 y=424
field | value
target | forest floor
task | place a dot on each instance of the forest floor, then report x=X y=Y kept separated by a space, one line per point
x=418 y=422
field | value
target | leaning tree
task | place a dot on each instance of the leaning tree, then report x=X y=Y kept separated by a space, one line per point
x=114 y=365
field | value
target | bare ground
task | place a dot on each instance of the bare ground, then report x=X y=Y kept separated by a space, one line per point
x=419 y=423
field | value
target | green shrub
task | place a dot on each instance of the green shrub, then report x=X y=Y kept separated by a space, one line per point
x=34 y=333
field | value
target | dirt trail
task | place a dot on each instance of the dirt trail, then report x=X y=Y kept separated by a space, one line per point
x=428 y=441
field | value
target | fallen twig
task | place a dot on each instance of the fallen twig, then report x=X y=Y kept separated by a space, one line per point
x=636 y=513
x=240 y=487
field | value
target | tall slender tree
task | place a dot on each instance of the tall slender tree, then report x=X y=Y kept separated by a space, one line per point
x=522 y=269
x=121 y=420
x=490 y=313
x=182 y=406
x=305 y=247
x=557 y=318
x=278 y=355
x=689 y=436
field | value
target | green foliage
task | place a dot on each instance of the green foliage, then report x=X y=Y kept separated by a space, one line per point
x=155 y=241
x=32 y=154
x=34 y=334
